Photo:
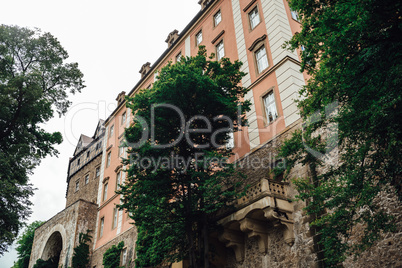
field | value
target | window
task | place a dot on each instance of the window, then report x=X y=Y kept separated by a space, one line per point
x=108 y=159
x=88 y=154
x=111 y=131
x=254 y=18
x=220 y=50
x=87 y=179
x=294 y=15
x=105 y=191
x=77 y=185
x=217 y=18
x=198 y=38
x=99 y=145
x=79 y=161
x=178 y=57
x=261 y=58
x=124 y=256
x=115 y=213
x=122 y=148
x=97 y=172
x=270 y=107
x=123 y=118
x=230 y=141
x=118 y=180
x=102 y=223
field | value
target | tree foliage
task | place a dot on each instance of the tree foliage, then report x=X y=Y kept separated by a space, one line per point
x=24 y=245
x=81 y=252
x=353 y=54
x=180 y=175
x=34 y=82
x=50 y=263
x=111 y=257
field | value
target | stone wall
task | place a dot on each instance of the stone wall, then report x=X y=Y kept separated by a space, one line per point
x=88 y=192
x=384 y=253
x=258 y=165
x=129 y=237
x=65 y=226
x=387 y=251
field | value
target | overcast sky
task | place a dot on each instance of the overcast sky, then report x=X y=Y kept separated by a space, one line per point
x=110 y=40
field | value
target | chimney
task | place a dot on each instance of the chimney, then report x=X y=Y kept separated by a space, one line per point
x=172 y=37
x=145 y=69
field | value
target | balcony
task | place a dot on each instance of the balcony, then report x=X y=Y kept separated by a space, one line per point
x=265 y=206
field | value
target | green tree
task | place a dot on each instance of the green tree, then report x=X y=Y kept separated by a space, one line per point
x=180 y=176
x=111 y=257
x=24 y=245
x=34 y=82
x=353 y=54
x=50 y=263
x=81 y=252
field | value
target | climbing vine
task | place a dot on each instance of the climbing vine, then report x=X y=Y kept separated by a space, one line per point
x=81 y=252
x=111 y=258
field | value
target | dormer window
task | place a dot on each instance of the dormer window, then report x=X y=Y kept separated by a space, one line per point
x=120 y=98
x=172 y=37
x=203 y=3
x=145 y=69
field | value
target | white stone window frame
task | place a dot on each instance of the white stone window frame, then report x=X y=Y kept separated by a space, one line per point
x=178 y=57
x=198 y=38
x=230 y=142
x=217 y=18
x=97 y=171
x=269 y=104
x=108 y=158
x=115 y=217
x=86 y=179
x=123 y=260
x=261 y=59
x=219 y=50
x=111 y=132
x=119 y=177
x=101 y=226
x=77 y=185
x=123 y=118
x=295 y=15
x=255 y=20
x=104 y=190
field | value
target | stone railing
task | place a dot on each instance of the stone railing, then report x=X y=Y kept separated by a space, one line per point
x=262 y=189
x=265 y=205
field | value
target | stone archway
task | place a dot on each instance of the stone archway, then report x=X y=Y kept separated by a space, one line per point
x=53 y=247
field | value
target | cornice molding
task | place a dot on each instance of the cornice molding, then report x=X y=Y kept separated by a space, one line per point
x=218 y=37
x=255 y=43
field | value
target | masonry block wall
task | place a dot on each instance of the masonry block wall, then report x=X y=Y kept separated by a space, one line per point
x=58 y=236
x=88 y=181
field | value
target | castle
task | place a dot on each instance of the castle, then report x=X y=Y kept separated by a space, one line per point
x=267 y=229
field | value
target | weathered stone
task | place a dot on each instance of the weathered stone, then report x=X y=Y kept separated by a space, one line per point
x=59 y=235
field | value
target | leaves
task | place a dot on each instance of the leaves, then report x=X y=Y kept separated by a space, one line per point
x=111 y=257
x=24 y=245
x=179 y=171
x=81 y=252
x=354 y=59
x=34 y=81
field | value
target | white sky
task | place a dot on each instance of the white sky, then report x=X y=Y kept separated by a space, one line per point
x=110 y=40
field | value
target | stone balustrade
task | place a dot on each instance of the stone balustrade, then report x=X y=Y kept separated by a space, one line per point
x=264 y=206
